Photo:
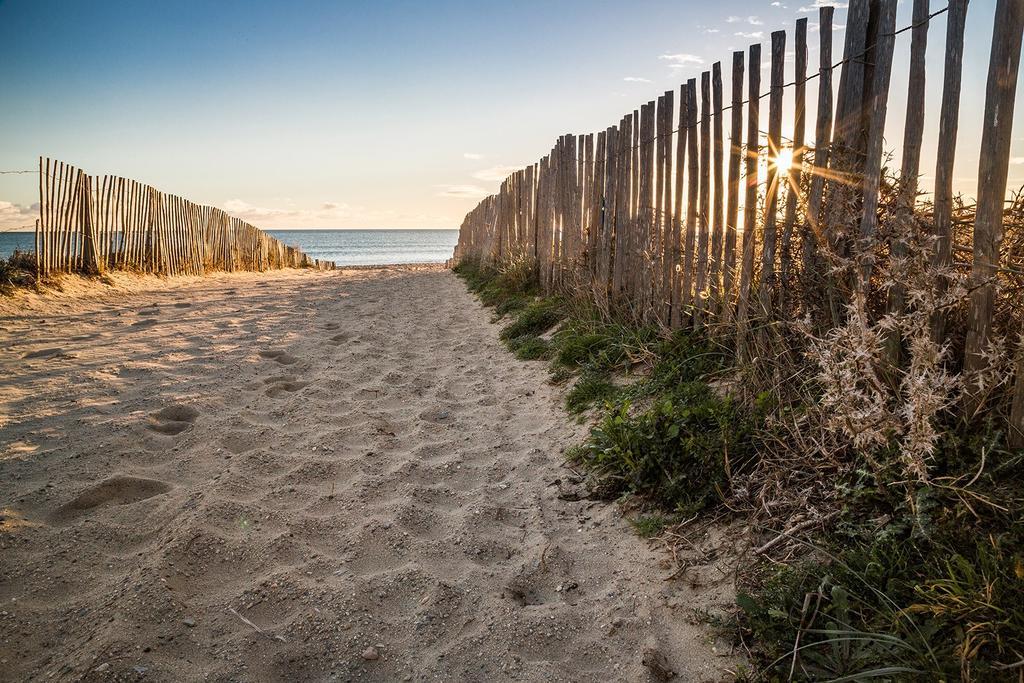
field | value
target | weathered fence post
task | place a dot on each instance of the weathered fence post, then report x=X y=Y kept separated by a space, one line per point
x=949 y=121
x=733 y=207
x=767 y=284
x=913 y=129
x=988 y=224
x=750 y=201
x=794 y=174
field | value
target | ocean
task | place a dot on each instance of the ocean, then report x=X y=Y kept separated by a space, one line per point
x=344 y=247
x=22 y=241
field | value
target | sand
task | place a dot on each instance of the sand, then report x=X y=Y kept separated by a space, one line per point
x=305 y=477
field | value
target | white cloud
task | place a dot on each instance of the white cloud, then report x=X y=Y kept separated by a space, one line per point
x=636 y=79
x=495 y=173
x=18 y=216
x=462 y=191
x=330 y=214
x=753 y=35
x=818 y=4
x=754 y=21
x=733 y=20
x=711 y=30
x=472 y=155
x=682 y=59
x=1016 y=161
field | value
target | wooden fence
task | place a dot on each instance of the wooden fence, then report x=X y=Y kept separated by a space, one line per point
x=98 y=223
x=647 y=215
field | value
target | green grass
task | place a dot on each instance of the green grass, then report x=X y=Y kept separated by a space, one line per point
x=529 y=347
x=535 y=318
x=921 y=581
x=591 y=388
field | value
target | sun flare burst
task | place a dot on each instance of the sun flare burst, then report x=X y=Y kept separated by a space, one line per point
x=784 y=161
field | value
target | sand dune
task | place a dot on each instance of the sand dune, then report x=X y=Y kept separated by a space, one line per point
x=303 y=477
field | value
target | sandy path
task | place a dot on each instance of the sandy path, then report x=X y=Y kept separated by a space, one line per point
x=256 y=478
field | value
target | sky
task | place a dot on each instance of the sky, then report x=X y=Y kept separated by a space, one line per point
x=382 y=114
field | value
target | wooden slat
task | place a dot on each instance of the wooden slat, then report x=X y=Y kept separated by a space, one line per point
x=768 y=252
x=848 y=142
x=621 y=157
x=655 y=268
x=949 y=122
x=913 y=129
x=677 y=210
x=733 y=206
x=642 y=281
x=997 y=127
x=750 y=201
x=704 y=224
x=878 y=103
x=693 y=188
x=793 y=178
x=850 y=98
x=718 y=188
x=814 y=236
x=633 y=252
x=665 y=215
x=668 y=216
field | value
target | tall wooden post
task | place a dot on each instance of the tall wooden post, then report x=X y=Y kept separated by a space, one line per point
x=988 y=224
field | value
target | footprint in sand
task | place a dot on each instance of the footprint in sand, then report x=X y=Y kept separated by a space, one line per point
x=339 y=339
x=148 y=322
x=332 y=326
x=282 y=385
x=118 y=490
x=281 y=357
x=54 y=352
x=173 y=419
x=183 y=304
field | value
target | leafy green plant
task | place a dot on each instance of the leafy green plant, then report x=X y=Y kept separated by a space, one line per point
x=674 y=452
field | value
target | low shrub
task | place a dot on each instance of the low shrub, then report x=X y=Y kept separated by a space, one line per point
x=674 y=453
x=19 y=270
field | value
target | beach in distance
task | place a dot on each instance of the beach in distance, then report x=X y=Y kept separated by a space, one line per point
x=350 y=247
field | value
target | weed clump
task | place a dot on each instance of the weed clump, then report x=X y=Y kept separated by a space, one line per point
x=507 y=289
x=19 y=270
x=529 y=347
x=591 y=388
x=675 y=452
x=536 y=318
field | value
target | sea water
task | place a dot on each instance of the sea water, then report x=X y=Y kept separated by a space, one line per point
x=344 y=247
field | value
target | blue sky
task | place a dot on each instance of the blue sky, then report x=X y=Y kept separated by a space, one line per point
x=373 y=114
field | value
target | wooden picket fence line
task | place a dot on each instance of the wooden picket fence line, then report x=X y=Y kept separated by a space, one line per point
x=647 y=213
x=97 y=223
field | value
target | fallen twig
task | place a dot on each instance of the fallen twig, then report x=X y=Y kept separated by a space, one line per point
x=795 y=529
x=272 y=636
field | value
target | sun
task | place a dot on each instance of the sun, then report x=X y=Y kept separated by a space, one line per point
x=784 y=161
